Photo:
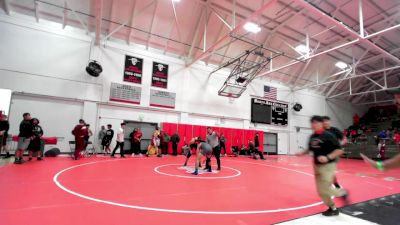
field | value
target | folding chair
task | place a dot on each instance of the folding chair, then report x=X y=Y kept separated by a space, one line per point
x=72 y=148
x=90 y=150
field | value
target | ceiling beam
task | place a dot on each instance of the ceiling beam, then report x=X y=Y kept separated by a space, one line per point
x=98 y=13
x=196 y=33
x=254 y=15
x=130 y=23
x=84 y=25
x=65 y=15
x=36 y=5
x=6 y=6
x=151 y=24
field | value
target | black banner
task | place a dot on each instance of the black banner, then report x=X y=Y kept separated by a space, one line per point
x=160 y=75
x=133 y=70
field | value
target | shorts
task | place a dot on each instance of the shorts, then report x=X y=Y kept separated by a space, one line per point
x=187 y=152
x=205 y=150
x=3 y=138
x=23 y=143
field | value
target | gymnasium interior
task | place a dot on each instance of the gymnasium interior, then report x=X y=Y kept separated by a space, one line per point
x=123 y=99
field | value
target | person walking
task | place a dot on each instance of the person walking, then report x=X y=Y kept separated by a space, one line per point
x=120 y=141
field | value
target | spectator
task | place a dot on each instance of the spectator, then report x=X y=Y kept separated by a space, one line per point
x=136 y=142
x=164 y=139
x=24 y=137
x=156 y=142
x=132 y=140
x=101 y=134
x=4 y=127
x=120 y=141
x=79 y=131
x=222 y=144
x=88 y=135
x=106 y=141
x=175 y=139
x=36 y=142
x=396 y=138
x=244 y=150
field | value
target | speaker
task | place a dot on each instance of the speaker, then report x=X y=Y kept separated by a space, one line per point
x=94 y=69
x=52 y=152
x=297 y=107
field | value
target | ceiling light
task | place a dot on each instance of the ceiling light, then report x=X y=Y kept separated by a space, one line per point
x=341 y=65
x=176 y=0
x=252 y=27
x=302 y=49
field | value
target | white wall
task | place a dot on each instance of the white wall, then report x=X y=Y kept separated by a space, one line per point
x=44 y=61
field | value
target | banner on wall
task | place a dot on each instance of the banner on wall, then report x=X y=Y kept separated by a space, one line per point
x=159 y=77
x=162 y=99
x=133 y=69
x=125 y=93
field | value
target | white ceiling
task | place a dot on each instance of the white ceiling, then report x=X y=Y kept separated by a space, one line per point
x=187 y=28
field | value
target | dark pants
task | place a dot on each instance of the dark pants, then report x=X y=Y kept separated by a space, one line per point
x=217 y=153
x=121 y=146
x=256 y=151
x=136 y=148
x=79 y=146
x=164 y=148
x=174 y=148
x=223 y=147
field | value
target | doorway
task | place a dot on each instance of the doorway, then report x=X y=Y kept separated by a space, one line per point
x=146 y=128
x=270 y=143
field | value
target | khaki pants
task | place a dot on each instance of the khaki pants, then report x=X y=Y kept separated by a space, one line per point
x=324 y=175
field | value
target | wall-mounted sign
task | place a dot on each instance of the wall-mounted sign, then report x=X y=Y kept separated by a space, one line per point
x=162 y=99
x=269 y=112
x=159 y=77
x=125 y=93
x=133 y=69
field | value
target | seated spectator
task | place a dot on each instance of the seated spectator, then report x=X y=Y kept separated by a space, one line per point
x=396 y=138
x=244 y=150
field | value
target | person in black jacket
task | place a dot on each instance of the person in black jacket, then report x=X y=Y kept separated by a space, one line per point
x=35 y=144
x=4 y=127
x=24 y=137
x=175 y=139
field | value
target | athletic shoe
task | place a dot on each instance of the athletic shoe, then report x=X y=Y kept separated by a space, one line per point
x=219 y=168
x=140 y=154
x=159 y=156
x=209 y=170
x=7 y=156
x=331 y=212
x=17 y=161
x=133 y=155
x=39 y=158
x=195 y=172
x=22 y=160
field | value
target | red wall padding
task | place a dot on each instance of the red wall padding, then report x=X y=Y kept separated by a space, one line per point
x=234 y=137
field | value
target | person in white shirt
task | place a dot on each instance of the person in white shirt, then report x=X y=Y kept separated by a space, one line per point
x=120 y=141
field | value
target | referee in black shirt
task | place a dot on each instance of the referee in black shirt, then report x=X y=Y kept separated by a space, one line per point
x=338 y=134
x=326 y=150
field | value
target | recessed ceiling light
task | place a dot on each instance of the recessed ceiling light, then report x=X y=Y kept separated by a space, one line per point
x=252 y=27
x=341 y=65
x=302 y=49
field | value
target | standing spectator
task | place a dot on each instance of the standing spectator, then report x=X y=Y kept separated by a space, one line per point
x=175 y=139
x=4 y=127
x=132 y=140
x=106 y=141
x=212 y=139
x=101 y=135
x=167 y=139
x=222 y=144
x=156 y=142
x=256 y=141
x=88 y=135
x=35 y=144
x=24 y=137
x=136 y=142
x=120 y=141
x=80 y=131
x=163 y=144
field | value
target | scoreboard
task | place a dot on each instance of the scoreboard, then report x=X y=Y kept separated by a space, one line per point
x=269 y=112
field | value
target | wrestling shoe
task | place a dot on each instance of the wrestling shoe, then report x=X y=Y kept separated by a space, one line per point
x=331 y=212
x=195 y=172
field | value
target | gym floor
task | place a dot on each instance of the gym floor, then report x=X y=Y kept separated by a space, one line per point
x=100 y=190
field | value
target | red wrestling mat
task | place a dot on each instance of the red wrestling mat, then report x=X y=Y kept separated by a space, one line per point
x=159 y=191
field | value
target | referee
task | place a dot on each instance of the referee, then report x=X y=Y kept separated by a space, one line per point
x=338 y=134
x=326 y=150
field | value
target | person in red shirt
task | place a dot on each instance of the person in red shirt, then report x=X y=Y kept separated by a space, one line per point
x=396 y=138
x=137 y=138
x=80 y=131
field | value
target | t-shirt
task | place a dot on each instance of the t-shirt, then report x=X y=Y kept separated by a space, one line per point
x=212 y=139
x=4 y=125
x=138 y=135
x=120 y=135
x=256 y=142
x=109 y=135
x=338 y=134
x=323 y=144
x=25 y=129
x=37 y=131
